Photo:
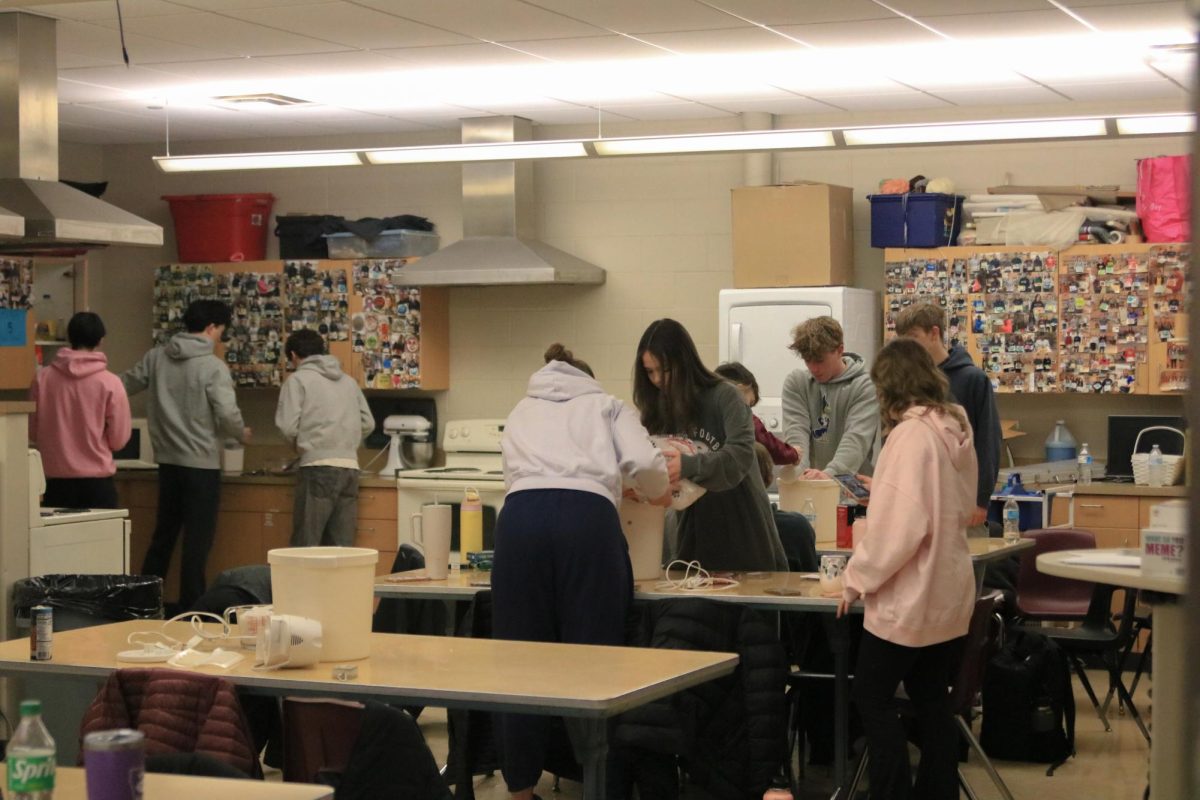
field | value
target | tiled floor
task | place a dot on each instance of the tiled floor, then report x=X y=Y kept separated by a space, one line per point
x=1108 y=766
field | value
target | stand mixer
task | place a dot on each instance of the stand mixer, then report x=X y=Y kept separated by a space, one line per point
x=412 y=442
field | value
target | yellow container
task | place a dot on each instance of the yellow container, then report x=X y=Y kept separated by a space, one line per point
x=470 y=524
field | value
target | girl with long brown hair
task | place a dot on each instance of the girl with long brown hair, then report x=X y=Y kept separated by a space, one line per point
x=912 y=569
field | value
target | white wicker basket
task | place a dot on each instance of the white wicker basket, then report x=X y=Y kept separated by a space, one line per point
x=1172 y=465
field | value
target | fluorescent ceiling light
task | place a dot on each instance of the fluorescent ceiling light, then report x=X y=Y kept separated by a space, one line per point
x=1159 y=123
x=976 y=132
x=302 y=158
x=714 y=142
x=502 y=151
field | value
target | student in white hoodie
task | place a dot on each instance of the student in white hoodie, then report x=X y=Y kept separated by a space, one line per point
x=561 y=571
x=324 y=414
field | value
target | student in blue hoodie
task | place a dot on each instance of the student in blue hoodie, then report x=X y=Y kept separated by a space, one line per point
x=561 y=571
x=192 y=407
x=324 y=414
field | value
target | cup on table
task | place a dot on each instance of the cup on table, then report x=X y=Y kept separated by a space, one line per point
x=830 y=573
x=431 y=531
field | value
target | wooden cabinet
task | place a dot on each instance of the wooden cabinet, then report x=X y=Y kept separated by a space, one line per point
x=253 y=519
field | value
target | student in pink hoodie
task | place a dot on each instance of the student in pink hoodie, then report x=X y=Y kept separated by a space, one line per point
x=912 y=569
x=82 y=416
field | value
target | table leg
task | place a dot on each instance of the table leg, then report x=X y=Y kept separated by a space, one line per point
x=980 y=568
x=838 y=632
x=590 y=738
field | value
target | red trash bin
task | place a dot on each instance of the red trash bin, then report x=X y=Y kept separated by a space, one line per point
x=221 y=227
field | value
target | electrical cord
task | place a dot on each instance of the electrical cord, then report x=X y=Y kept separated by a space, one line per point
x=695 y=579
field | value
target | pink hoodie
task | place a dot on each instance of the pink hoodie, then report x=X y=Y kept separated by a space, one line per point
x=82 y=415
x=911 y=563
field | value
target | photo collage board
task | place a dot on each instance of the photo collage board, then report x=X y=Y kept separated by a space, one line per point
x=386 y=334
x=1169 y=298
x=16 y=283
x=1104 y=337
x=266 y=307
x=1000 y=305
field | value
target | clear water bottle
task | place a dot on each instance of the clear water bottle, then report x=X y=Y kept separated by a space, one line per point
x=30 y=756
x=1156 y=466
x=809 y=512
x=1012 y=521
x=1084 y=466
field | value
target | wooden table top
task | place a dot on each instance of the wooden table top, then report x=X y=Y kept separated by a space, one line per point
x=1131 y=577
x=450 y=672
x=70 y=784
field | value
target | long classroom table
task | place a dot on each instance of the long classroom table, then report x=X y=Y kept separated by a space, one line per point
x=70 y=784
x=586 y=683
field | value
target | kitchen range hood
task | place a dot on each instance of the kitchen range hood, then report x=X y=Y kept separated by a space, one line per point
x=498 y=244
x=56 y=216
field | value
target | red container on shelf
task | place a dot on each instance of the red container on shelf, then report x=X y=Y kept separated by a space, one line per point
x=845 y=536
x=221 y=227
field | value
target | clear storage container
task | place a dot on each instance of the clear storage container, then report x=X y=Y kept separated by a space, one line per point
x=388 y=244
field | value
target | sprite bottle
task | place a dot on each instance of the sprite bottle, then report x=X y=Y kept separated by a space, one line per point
x=30 y=757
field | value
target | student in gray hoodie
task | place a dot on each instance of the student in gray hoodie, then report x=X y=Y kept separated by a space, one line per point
x=324 y=414
x=192 y=408
x=830 y=413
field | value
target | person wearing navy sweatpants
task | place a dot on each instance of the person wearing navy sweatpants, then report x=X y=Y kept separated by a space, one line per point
x=561 y=570
x=561 y=574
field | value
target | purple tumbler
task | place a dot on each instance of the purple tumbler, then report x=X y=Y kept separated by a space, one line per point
x=114 y=762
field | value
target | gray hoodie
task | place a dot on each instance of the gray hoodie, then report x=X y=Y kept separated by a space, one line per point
x=192 y=403
x=834 y=425
x=323 y=411
x=568 y=433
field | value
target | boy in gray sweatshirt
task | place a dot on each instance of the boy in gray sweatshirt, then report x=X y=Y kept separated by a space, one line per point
x=192 y=407
x=830 y=413
x=324 y=414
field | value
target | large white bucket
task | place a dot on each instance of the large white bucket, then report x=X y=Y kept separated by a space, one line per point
x=643 y=527
x=825 y=496
x=334 y=585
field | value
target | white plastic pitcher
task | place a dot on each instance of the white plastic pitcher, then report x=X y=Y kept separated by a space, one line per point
x=333 y=585
x=825 y=496
x=643 y=527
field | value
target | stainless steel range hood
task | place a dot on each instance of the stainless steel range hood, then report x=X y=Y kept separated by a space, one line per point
x=56 y=216
x=498 y=244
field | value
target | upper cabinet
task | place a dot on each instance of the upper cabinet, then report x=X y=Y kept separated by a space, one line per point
x=17 y=323
x=1092 y=318
x=386 y=335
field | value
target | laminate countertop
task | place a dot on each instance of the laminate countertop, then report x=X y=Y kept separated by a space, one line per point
x=365 y=481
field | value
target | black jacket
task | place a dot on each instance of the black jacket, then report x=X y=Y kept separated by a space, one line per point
x=390 y=760
x=732 y=730
x=973 y=391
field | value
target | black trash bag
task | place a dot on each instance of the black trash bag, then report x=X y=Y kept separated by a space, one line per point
x=369 y=228
x=95 y=189
x=108 y=597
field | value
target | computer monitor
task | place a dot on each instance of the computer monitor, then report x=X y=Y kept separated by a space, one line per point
x=1123 y=430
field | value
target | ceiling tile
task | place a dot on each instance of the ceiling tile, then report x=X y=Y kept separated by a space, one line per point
x=803 y=12
x=348 y=62
x=131 y=81
x=784 y=104
x=639 y=16
x=728 y=40
x=591 y=48
x=892 y=101
x=233 y=5
x=1119 y=92
x=103 y=10
x=929 y=8
x=460 y=56
x=230 y=36
x=886 y=32
x=88 y=44
x=666 y=111
x=1012 y=95
x=493 y=21
x=1022 y=23
x=351 y=25
x=1147 y=16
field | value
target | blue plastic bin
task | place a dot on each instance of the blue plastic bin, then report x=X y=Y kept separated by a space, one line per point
x=915 y=220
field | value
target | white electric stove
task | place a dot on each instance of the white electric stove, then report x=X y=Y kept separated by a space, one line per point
x=91 y=541
x=472 y=448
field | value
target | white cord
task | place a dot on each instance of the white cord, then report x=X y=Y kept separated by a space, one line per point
x=695 y=579
x=193 y=617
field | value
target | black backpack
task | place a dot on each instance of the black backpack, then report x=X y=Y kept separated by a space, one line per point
x=1028 y=704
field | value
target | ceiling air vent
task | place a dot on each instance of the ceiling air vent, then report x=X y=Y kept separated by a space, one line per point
x=270 y=98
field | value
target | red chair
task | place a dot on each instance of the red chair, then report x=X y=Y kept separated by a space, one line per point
x=1042 y=597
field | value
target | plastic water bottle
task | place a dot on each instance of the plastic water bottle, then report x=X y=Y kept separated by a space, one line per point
x=809 y=512
x=1012 y=521
x=1084 y=466
x=1156 y=466
x=30 y=756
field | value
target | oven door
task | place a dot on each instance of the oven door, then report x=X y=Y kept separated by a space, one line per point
x=412 y=493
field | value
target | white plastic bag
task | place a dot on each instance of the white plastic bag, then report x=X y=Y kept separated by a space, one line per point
x=686 y=492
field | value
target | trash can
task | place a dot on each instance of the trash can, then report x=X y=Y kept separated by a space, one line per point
x=79 y=601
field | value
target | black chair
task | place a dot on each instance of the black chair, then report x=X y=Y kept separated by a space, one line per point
x=1097 y=636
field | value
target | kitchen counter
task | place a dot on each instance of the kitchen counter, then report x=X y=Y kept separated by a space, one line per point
x=366 y=480
x=1131 y=490
x=16 y=407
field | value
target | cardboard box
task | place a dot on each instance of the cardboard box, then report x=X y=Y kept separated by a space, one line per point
x=798 y=235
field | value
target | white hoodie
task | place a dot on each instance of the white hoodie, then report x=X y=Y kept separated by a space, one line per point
x=569 y=434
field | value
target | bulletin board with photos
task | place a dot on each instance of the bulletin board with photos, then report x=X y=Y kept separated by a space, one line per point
x=386 y=330
x=1170 y=297
x=16 y=283
x=317 y=298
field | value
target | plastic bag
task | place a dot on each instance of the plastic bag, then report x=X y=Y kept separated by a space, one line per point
x=109 y=597
x=686 y=492
x=1164 y=200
